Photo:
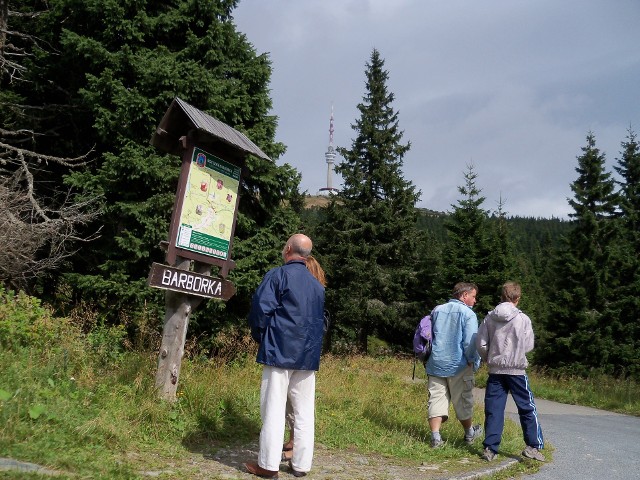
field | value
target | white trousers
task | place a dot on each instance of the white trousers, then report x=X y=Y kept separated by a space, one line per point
x=300 y=387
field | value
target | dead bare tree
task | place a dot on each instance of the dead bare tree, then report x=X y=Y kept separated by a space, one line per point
x=36 y=237
x=11 y=52
x=39 y=227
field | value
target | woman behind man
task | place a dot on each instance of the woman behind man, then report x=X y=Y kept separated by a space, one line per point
x=316 y=270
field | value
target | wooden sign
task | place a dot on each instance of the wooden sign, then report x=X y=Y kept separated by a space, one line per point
x=202 y=224
x=185 y=281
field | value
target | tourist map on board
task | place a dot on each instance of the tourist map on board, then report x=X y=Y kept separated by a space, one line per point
x=210 y=198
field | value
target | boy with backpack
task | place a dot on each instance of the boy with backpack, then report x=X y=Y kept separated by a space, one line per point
x=503 y=339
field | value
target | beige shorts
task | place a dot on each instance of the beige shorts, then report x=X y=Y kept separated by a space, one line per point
x=457 y=390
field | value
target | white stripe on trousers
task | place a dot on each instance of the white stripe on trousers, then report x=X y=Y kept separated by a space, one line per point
x=300 y=386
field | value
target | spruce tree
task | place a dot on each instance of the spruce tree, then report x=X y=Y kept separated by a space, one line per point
x=578 y=332
x=629 y=169
x=533 y=270
x=625 y=308
x=507 y=263
x=502 y=263
x=467 y=251
x=370 y=239
x=117 y=65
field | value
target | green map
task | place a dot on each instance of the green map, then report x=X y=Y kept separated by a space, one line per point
x=208 y=208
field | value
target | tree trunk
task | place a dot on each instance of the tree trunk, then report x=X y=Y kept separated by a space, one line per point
x=363 y=337
x=4 y=22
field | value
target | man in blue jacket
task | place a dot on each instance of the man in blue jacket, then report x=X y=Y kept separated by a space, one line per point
x=287 y=319
x=452 y=363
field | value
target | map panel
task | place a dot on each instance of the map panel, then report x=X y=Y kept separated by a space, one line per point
x=208 y=208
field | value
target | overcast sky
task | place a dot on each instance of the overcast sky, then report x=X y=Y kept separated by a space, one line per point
x=510 y=86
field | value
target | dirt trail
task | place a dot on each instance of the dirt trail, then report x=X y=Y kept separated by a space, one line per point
x=228 y=464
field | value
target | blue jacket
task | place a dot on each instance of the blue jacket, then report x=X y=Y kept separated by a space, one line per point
x=287 y=318
x=455 y=327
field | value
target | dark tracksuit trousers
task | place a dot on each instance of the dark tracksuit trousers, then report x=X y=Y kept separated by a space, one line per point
x=495 y=401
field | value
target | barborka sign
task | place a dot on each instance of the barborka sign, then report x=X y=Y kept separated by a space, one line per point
x=169 y=278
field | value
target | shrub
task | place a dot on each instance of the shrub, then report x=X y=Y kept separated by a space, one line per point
x=24 y=322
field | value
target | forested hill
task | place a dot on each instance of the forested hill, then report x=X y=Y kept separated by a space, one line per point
x=88 y=83
x=527 y=233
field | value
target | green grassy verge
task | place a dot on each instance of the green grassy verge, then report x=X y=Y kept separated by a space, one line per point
x=76 y=402
x=598 y=391
x=104 y=421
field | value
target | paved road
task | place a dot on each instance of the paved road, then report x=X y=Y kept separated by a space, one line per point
x=589 y=443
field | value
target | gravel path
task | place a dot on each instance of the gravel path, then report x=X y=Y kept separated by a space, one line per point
x=228 y=464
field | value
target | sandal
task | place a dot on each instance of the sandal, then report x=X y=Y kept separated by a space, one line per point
x=287 y=455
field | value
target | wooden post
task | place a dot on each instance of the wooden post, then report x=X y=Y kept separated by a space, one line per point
x=174 y=333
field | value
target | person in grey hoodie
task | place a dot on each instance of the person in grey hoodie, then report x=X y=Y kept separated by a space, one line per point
x=504 y=338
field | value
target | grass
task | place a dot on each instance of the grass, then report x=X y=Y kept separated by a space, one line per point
x=104 y=421
x=597 y=391
x=390 y=408
x=64 y=407
x=77 y=403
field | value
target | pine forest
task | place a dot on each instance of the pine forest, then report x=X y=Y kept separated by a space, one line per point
x=86 y=201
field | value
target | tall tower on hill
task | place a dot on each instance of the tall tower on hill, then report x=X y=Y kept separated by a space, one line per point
x=330 y=156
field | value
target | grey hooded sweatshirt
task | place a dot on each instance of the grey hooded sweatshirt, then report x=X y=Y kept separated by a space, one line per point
x=503 y=339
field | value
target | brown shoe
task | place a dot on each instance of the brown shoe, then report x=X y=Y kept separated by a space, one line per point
x=253 y=467
x=296 y=473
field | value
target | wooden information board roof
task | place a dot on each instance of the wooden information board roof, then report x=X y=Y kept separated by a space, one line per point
x=181 y=119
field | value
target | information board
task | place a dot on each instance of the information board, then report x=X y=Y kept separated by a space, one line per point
x=208 y=207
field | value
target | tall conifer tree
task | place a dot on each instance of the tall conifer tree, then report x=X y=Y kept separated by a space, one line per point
x=370 y=237
x=624 y=310
x=502 y=263
x=629 y=169
x=585 y=282
x=467 y=252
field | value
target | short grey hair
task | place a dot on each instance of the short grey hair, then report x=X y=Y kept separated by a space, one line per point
x=461 y=287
